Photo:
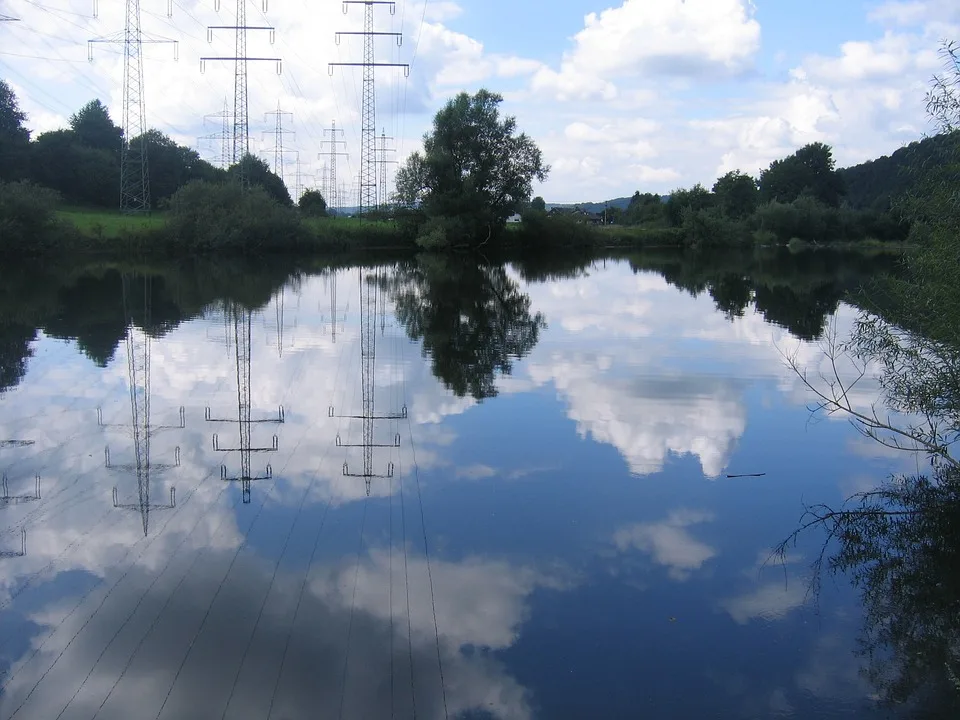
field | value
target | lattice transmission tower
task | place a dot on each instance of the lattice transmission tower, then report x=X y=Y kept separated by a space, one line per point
x=368 y=110
x=223 y=137
x=138 y=346
x=134 y=176
x=332 y=142
x=382 y=163
x=240 y=140
x=278 y=132
x=6 y=499
x=242 y=321
x=369 y=293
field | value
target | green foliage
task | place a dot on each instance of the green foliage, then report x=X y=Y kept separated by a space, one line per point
x=538 y=204
x=81 y=174
x=312 y=204
x=709 y=226
x=258 y=174
x=696 y=198
x=943 y=100
x=474 y=172
x=28 y=222
x=644 y=209
x=14 y=136
x=171 y=166
x=737 y=195
x=207 y=217
x=809 y=171
x=95 y=129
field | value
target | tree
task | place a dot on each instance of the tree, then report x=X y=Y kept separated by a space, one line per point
x=171 y=166
x=695 y=199
x=14 y=137
x=258 y=174
x=538 y=204
x=312 y=204
x=943 y=100
x=474 y=172
x=95 y=129
x=644 y=209
x=81 y=174
x=809 y=171
x=736 y=194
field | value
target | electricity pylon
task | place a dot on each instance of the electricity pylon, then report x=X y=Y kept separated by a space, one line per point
x=223 y=160
x=278 y=133
x=332 y=152
x=17 y=553
x=335 y=314
x=138 y=346
x=8 y=499
x=281 y=326
x=368 y=110
x=134 y=178
x=242 y=320
x=240 y=145
x=382 y=162
x=369 y=292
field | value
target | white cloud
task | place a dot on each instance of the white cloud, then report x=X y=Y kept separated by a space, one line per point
x=669 y=542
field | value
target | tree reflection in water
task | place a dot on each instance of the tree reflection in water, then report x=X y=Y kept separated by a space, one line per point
x=473 y=320
x=900 y=543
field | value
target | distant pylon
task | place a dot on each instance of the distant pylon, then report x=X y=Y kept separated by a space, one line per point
x=382 y=162
x=278 y=133
x=224 y=137
x=240 y=142
x=368 y=112
x=332 y=152
x=134 y=177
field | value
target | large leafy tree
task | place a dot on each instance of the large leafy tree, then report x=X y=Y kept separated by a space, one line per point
x=95 y=129
x=80 y=173
x=171 y=165
x=736 y=194
x=14 y=136
x=809 y=171
x=258 y=174
x=474 y=172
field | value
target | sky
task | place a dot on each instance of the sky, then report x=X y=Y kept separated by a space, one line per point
x=644 y=95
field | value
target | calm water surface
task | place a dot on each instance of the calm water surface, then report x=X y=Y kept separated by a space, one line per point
x=496 y=492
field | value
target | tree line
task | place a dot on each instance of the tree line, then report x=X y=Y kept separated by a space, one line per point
x=82 y=161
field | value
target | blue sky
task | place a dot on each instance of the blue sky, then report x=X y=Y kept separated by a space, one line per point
x=621 y=95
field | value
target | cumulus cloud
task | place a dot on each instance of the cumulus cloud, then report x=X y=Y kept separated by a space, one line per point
x=669 y=542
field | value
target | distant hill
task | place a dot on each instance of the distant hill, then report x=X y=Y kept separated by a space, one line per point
x=875 y=183
x=597 y=207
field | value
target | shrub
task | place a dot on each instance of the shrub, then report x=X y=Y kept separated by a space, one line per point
x=312 y=204
x=709 y=227
x=28 y=221
x=207 y=216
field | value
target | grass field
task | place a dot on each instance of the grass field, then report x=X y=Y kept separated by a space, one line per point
x=97 y=223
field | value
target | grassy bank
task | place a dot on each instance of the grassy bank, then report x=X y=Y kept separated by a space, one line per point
x=98 y=224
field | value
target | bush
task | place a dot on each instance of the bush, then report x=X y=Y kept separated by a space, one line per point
x=28 y=220
x=207 y=216
x=709 y=227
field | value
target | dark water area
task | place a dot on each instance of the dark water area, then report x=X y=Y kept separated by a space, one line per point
x=427 y=487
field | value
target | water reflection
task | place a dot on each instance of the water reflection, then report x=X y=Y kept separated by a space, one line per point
x=543 y=527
